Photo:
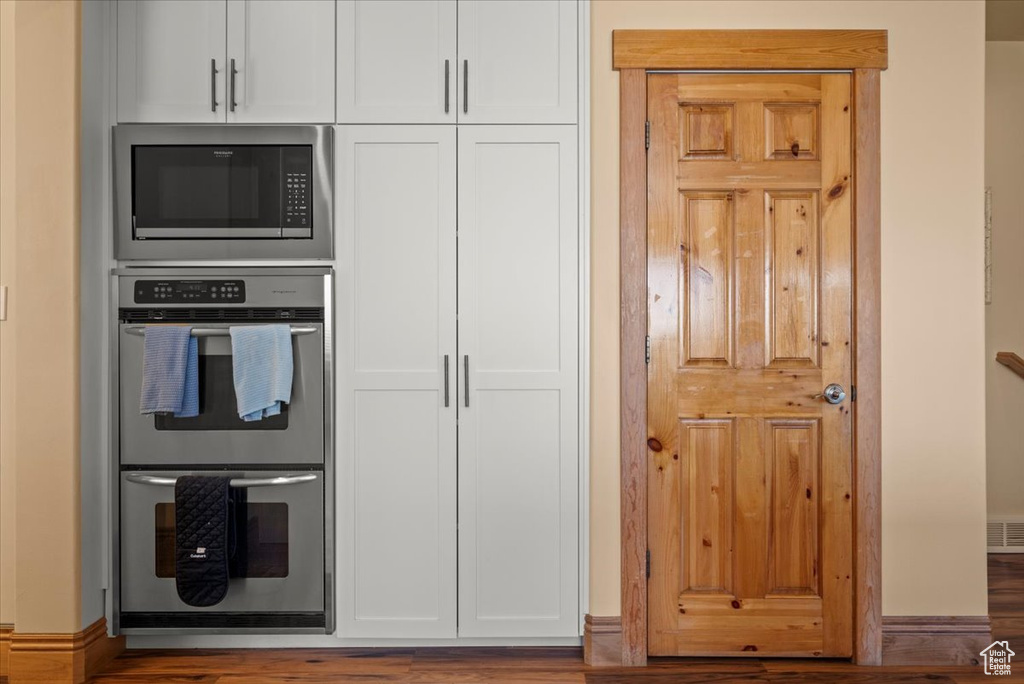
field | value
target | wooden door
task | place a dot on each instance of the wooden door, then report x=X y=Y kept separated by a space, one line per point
x=397 y=397
x=517 y=61
x=283 y=54
x=519 y=403
x=749 y=275
x=166 y=53
x=397 y=61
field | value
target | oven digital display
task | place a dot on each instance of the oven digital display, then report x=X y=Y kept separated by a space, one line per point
x=189 y=291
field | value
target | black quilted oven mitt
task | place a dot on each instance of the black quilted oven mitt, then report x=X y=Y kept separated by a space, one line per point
x=201 y=539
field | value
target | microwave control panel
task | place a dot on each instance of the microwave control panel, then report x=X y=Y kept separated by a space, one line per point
x=189 y=291
x=298 y=188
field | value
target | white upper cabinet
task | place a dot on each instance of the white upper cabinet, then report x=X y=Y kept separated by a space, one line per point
x=517 y=61
x=170 y=61
x=396 y=61
x=283 y=56
x=217 y=61
x=465 y=61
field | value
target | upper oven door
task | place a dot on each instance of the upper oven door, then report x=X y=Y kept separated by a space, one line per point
x=223 y=192
x=218 y=436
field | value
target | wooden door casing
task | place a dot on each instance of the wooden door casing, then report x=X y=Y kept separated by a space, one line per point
x=750 y=515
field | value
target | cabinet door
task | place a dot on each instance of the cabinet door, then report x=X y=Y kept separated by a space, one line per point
x=518 y=422
x=517 y=61
x=283 y=56
x=396 y=61
x=396 y=408
x=170 y=61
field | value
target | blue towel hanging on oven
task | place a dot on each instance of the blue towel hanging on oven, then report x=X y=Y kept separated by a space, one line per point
x=170 y=371
x=262 y=365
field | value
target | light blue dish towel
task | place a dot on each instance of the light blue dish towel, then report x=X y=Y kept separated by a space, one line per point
x=170 y=371
x=262 y=366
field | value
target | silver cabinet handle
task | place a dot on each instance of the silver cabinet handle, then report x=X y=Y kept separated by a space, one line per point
x=446 y=64
x=446 y=381
x=140 y=331
x=234 y=72
x=465 y=86
x=465 y=378
x=155 y=481
x=213 y=85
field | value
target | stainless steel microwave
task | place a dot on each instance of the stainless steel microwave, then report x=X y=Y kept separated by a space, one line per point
x=223 y=192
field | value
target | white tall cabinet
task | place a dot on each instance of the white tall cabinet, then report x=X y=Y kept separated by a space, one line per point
x=225 y=61
x=458 y=350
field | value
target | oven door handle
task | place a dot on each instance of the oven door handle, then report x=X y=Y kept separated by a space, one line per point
x=139 y=478
x=140 y=331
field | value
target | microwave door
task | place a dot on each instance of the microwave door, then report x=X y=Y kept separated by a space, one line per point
x=207 y=191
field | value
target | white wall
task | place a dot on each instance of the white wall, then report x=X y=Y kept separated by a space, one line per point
x=1004 y=174
x=933 y=348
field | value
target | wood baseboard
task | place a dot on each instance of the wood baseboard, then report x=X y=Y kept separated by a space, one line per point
x=602 y=640
x=61 y=658
x=935 y=640
x=5 y=649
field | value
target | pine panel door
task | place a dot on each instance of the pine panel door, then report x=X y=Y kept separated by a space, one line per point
x=749 y=276
x=396 y=406
x=283 y=54
x=396 y=61
x=167 y=52
x=518 y=382
x=517 y=61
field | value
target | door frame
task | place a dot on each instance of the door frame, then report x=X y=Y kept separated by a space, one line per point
x=865 y=55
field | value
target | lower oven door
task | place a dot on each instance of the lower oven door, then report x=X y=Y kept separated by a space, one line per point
x=283 y=587
x=217 y=435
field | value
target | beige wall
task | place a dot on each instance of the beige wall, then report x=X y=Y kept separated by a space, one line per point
x=933 y=439
x=1004 y=174
x=42 y=273
x=7 y=150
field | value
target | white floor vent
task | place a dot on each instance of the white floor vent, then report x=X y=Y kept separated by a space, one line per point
x=1006 y=535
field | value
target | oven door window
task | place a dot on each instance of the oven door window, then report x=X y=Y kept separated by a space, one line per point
x=218 y=407
x=259 y=540
x=206 y=186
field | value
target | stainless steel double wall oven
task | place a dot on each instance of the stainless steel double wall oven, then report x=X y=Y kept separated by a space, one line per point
x=285 y=463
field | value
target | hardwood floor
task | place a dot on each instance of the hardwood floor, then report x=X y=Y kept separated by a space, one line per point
x=547 y=665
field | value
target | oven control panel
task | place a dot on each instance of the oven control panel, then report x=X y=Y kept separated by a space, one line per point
x=189 y=291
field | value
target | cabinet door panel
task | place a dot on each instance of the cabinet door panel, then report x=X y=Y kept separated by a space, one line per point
x=396 y=437
x=164 y=53
x=284 y=58
x=518 y=435
x=391 y=61
x=517 y=61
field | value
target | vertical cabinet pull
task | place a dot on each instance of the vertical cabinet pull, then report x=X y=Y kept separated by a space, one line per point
x=446 y=381
x=465 y=90
x=213 y=85
x=465 y=378
x=234 y=72
x=446 y=64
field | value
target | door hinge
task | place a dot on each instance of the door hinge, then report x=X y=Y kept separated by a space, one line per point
x=853 y=393
x=648 y=564
x=647 y=351
x=647 y=135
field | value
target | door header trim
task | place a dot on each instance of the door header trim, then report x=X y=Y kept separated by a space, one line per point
x=750 y=49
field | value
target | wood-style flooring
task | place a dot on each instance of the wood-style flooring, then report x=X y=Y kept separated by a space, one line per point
x=548 y=665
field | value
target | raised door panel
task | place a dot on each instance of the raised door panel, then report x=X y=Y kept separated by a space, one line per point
x=283 y=64
x=518 y=404
x=396 y=61
x=396 y=406
x=517 y=61
x=171 y=61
